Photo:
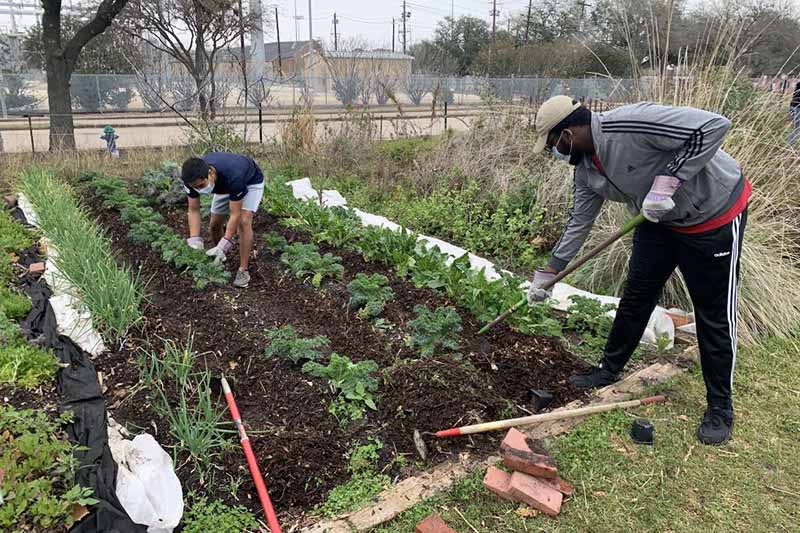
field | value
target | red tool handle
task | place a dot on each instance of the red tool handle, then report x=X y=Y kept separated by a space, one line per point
x=258 y=479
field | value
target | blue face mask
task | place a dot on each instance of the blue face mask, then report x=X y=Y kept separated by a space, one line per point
x=207 y=189
x=559 y=155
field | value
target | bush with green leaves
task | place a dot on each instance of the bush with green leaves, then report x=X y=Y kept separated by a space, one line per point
x=435 y=331
x=274 y=242
x=369 y=294
x=353 y=382
x=146 y=228
x=38 y=468
x=305 y=262
x=286 y=344
x=217 y=517
x=112 y=293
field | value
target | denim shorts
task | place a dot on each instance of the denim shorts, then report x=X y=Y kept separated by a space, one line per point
x=220 y=203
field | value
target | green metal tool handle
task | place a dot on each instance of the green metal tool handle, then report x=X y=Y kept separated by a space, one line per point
x=624 y=230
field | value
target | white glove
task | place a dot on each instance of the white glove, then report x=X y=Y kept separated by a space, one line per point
x=218 y=252
x=536 y=294
x=658 y=201
x=196 y=243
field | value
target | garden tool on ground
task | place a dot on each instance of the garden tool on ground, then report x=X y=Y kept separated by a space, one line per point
x=624 y=230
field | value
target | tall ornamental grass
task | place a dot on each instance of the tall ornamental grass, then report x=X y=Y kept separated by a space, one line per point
x=113 y=293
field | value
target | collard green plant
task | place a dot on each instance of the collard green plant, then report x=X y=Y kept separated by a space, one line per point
x=274 y=242
x=163 y=184
x=285 y=343
x=369 y=294
x=353 y=381
x=304 y=261
x=435 y=331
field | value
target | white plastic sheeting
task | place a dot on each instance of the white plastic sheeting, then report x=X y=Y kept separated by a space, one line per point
x=147 y=486
x=658 y=327
x=72 y=315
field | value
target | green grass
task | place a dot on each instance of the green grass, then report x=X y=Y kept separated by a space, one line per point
x=752 y=484
x=113 y=294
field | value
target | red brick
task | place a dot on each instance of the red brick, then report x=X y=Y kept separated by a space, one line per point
x=536 y=493
x=531 y=463
x=560 y=485
x=433 y=524
x=498 y=481
x=515 y=440
x=36 y=268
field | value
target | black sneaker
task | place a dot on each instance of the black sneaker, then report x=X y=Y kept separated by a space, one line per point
x=596 y=377
x=716 y=426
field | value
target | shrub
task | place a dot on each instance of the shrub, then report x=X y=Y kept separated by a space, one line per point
x=207 y=517
x=284 y=343
x=38 y=472
x=435 y=330
x=369 y=294
x=353 y=381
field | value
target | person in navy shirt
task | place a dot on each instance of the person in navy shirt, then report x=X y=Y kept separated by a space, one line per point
x=237 y=186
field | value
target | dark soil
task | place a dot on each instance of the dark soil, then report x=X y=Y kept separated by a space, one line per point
x=301 y=448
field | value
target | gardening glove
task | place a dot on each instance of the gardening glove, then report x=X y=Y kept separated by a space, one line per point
x=536 y=294
x=658 y=201
x=195 y=242
x=218 y=252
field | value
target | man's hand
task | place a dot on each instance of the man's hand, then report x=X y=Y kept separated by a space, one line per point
x=218 y=252
x=658 y=201
x=195 y=242
x=536 y=294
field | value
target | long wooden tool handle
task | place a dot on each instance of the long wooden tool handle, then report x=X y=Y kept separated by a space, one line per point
x=545 y=417
x=624 y=230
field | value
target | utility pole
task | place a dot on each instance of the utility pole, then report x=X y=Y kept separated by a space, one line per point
x=310 y=29
x=278 y=31
x=583 y=5
x=495 y=12
x=335 y=33
x=406 y=16
x=528 y=21
x=393 y=34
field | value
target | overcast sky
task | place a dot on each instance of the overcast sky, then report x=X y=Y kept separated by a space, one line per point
x=372 y=19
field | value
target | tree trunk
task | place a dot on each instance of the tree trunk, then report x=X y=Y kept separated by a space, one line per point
x=62 y=131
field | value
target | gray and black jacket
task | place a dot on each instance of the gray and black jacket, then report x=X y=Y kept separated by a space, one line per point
x=635 y=143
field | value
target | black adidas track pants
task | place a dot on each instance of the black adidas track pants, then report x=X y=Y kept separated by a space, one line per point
x=709 y=263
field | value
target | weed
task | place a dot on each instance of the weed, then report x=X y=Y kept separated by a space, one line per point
x=113 y=294
x=284 y=343
x=14 y=304
x=304 y=261
x=274 y=242
x=24 y=365
x=369 y=294
x=13 y=235
x=38 y=471
x=435 y=330
x=589 y=318
x=353 y=381
x=217 y=517
x=364 y=484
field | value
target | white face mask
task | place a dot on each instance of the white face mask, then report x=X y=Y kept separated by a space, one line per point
x=559 y=155
x=207 y=189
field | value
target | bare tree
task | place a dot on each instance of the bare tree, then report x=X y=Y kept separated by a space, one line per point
x=195 y=34
x=60 y=61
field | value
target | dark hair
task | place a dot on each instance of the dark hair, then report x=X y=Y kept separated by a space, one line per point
x=192 y=169
x=580 y=117
x=796 y=97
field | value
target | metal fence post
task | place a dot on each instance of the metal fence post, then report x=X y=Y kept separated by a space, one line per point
x=260 y=125
x=30 y=129
x=445 y=115
x=97 y=86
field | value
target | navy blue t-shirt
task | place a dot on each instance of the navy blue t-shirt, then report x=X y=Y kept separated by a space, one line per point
x=234 y=173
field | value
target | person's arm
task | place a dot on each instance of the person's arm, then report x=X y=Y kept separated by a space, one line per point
x=194 y=216
x=586 y=206
x=233 y=219
x=693 y=135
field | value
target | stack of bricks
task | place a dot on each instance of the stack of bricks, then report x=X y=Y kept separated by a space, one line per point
x=534 y=479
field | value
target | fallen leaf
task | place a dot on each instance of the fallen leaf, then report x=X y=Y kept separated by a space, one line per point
x=526 y=512
x=233 y=364
x=78 y=512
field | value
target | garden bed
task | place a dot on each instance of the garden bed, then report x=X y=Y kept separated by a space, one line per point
x=301 y=447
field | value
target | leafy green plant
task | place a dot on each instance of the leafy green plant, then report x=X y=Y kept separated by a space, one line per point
x=217 y=517
x=393 y=248
x=14 y=304
x=13 y=235
x=365 y=482
x=274 y=242
x=278 y=198
x=587 y=315
x=24 y=365
x=304 y=261
x=163 y=184
x=435 y=330
x=430 y=269
x=353 y=381
x=38 y=472
x=341 y=227
x=112 y=293
x=284 y=343
x=369 y=294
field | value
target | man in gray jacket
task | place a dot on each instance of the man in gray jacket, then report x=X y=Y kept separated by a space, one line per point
x=665 y=162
